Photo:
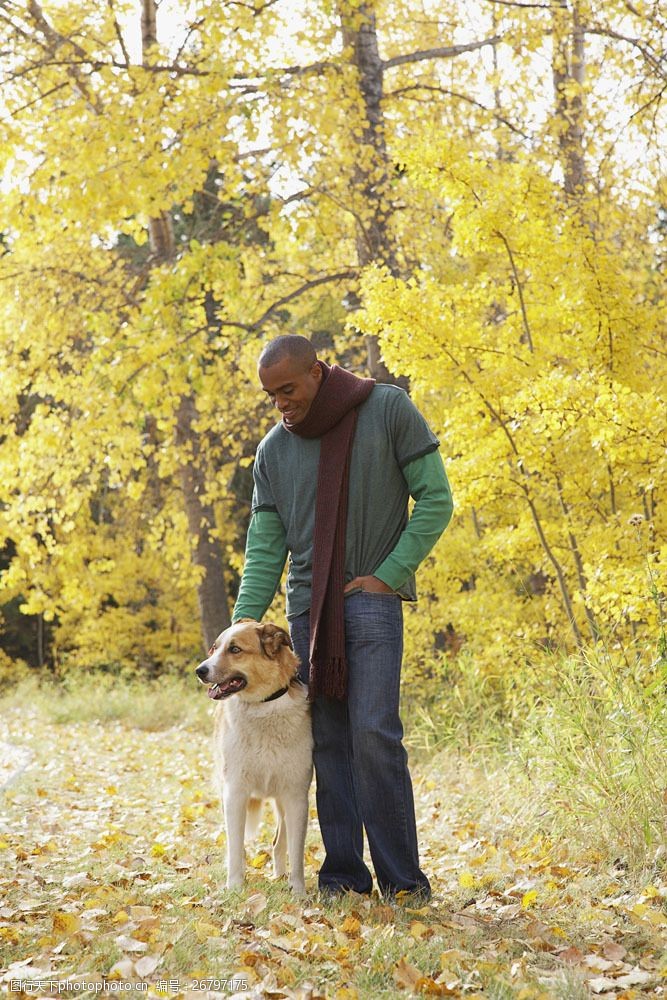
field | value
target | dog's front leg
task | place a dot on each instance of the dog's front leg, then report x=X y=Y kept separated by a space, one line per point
x=296 y=817
x=235 y=804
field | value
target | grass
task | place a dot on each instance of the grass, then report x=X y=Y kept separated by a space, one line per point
x=539 y=812
x=578 y=750
x=150 y=705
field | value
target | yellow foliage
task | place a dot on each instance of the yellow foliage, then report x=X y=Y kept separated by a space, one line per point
x=531 y=324
x=535 y=355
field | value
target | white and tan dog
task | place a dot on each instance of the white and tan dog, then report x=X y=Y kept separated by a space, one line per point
x=263 y=745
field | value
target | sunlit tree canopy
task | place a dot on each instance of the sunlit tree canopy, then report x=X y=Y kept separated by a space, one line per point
x=469 y=199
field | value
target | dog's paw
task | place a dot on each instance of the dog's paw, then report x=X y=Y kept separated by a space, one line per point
x=298 y=888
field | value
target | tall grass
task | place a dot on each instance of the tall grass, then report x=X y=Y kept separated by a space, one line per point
x=583 y=739
x=601 y=743
x=87 y=696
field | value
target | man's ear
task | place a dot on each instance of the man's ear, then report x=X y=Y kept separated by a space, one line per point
x=272 y=638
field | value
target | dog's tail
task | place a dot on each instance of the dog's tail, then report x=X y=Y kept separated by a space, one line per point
x=252 y=818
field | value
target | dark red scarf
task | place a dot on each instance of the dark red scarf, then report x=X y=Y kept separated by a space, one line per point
x=333 y=418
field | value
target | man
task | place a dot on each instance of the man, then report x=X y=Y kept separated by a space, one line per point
x=332 y=482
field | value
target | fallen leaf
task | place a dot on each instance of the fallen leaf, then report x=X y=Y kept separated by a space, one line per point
x=614 y=952
x=126 y=943
x=406 y=975
x=254 y=905
x=351 y=926
x=260 y=860
x=637 y=977
x=598 y=964
x=66 y=923
x=147 y=965
x=122 y=970
x=571 y=955
x=602 y=984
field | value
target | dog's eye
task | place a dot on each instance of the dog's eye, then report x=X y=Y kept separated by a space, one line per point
x=234 y=649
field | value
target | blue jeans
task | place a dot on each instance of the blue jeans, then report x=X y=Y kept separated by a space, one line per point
x=361 y=767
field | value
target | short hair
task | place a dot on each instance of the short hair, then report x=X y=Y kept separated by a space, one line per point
x=290 y=345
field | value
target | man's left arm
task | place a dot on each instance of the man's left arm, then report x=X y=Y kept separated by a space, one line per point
x=432 y=511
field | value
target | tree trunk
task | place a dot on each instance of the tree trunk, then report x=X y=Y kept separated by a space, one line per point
x=569 y=70
x=374 y=239
x=206 y=548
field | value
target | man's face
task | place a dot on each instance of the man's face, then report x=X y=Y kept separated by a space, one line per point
x=291 y=387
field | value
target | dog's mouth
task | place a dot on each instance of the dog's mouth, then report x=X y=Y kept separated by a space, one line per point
x=229 y=687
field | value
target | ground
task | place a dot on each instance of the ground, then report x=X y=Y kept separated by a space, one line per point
x=112 y=878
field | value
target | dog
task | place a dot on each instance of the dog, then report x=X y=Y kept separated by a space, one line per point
x=263 y=744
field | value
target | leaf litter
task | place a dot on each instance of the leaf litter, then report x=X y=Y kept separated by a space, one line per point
x=112 y=852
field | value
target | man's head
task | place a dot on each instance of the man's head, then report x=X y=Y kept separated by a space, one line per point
x=290 y=375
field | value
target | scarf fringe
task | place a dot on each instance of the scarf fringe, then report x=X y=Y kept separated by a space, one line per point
x=330 y=682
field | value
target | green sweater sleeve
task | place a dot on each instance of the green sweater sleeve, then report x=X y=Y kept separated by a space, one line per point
x=429 y=487
x=265 y=554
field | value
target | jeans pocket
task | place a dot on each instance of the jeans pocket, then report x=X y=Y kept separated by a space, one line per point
x=373 y=615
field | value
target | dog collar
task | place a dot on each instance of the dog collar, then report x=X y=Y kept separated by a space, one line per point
x=276 y=694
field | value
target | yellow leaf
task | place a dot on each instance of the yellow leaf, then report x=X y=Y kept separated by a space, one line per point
x=66 y=923
x=466 y=880
x=259 y=860
x=351 y=926
x=650 y=892
x=528 y=898
x=205 y=930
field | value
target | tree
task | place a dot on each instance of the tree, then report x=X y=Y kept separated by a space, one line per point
x=168 y=209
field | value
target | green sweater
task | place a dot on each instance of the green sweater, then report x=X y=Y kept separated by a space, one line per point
x=394 y=456
x=266 y=547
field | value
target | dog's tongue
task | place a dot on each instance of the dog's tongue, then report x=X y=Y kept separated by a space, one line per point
x=218 y=691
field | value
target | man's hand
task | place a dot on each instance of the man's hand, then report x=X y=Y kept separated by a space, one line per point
x=371 y=584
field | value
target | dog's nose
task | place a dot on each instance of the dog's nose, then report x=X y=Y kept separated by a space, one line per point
x=202 y=671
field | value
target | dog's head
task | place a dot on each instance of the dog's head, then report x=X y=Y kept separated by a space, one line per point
x=251 y=660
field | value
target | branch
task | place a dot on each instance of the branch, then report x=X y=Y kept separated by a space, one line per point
x=41 y=96
x=342 y=275
x=191 y=29
x=443 y=53
x=460 y=97
x=316 y=67
x=517 y=279
x=54 y=40
x=119 y=33
x=655 y=61
x=527 y=6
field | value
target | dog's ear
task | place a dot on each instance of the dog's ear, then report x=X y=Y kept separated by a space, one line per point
x=272 y=638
